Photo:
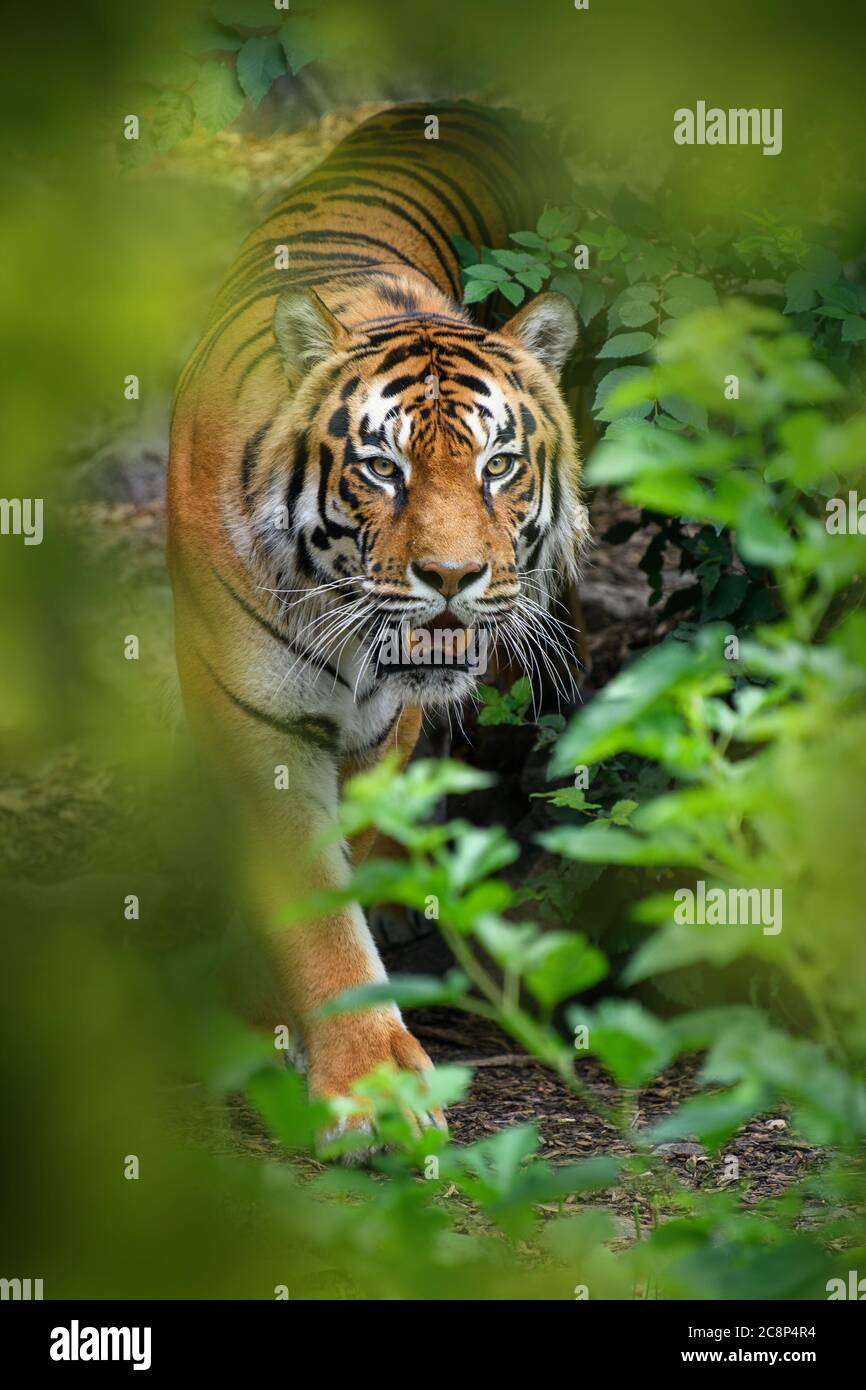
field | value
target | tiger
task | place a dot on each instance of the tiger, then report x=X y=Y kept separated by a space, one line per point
x=352 y=455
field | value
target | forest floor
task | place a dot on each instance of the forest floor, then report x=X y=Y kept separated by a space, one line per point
x=509 y=1088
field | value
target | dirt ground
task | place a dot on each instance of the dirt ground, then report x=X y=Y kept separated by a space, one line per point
x=509 y=1089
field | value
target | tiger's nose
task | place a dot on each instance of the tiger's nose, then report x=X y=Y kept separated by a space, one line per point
x=447 y=579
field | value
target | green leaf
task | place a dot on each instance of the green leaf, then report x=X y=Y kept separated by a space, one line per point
x=591 y=301
x=854 y=330
x=642 y=291
x=407 y=991
x=486 y=271
x=627 y=345
x=553 y=222
x=216 y=96
x=518 y=260
x=478 y=289
x=541 y=1182
x=830 y=1102
x=570 y=284
x=532 y=279
x=605 y=844
x=800 y=292
x=845 y=296
x=686 y=411
x=713 y=1119
x=479 y=851
x=678 y=306
x=696 y=292
x=629 y=1042
x=609 y=383
x=634 y=312
x=761 y=537
x=528 y=239
x=467 y=253
x=726 y=597
x=396 y=801
x=572 y=797
x=490 y=1170
x=260 y=62
x=280 y=1098
x=594 y=732
x=515 y=294
x=675 y=947
x=507 y=942
x=822 y=267
x=560 y=964
x=172 y=120
x=508 y=707
x=302 y=45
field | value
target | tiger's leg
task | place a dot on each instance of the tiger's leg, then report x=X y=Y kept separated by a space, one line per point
x=318 y=959
x=389 y=917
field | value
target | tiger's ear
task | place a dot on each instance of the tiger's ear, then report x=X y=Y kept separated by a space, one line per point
x=546 y=328
x=306 y=331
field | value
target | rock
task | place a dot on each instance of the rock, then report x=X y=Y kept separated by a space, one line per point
x=680 y=1149
x=123 y=474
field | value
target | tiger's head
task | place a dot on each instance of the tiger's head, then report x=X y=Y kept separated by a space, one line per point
x=431 y=479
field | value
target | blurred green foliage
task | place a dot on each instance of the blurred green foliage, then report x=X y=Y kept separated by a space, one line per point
x=116 y=1038
x=763 y=741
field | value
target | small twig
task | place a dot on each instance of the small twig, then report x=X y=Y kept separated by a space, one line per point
x=503 y=1059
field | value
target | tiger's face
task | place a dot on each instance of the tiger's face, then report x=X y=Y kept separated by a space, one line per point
x=439 y=497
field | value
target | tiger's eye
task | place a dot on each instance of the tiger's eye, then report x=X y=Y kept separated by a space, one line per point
x=499 y=466
x=383 y=468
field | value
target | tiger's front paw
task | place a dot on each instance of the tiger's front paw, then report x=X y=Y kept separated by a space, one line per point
x=343 y=1049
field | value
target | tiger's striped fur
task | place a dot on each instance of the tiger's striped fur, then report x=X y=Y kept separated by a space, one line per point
x=321 y=493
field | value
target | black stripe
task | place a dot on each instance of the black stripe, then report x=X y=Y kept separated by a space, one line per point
x=455 y=325
x=249 y=461
x=251 y=366
x=497 y=187
x=252 y=613
x=298 y=475
x=386 y=163
x=431 y=188
x=406 y=217
x=380 y=738
x=247 y=342
x=247 y=271
x=326 y=461
x=275 y=633
x=316 y=729
x=212 y=336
